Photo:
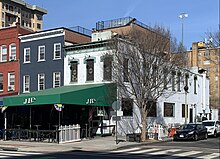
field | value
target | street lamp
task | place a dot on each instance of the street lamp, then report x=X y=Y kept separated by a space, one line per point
x=182 y=16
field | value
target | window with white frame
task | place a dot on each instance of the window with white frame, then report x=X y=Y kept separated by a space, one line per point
x=56 y=79
x=41 y=81
x=26 y=85
x=12 y=53
x=57 y=51
x=27 y=55
x=169 y=109
x=206 y=62
x=41 y=53
x=3 y=53
x=11 y=81
x=1 y=81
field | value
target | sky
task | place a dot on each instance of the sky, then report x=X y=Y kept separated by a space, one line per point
x=203 y=15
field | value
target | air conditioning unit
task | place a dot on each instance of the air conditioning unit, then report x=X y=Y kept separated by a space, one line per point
x=11 y=88
x=12 y=58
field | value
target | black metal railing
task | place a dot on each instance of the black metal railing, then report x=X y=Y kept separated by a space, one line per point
x=31 y=135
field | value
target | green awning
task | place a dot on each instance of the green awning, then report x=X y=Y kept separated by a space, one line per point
x=90 y=94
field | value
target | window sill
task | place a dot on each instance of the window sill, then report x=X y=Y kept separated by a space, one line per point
x=26 y=62
x=41 y=60
x=57 y=59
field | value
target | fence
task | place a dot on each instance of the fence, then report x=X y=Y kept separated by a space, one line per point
x=69 y=133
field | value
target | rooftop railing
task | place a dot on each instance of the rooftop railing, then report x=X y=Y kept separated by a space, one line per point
x=119 y=22
x=81 y=30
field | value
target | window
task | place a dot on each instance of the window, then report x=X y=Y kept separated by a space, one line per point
x=12 y=56
x=169 y=109
x=206 y=62
x=173 y=80
x=27 y=55
x=178 y=81
x=11 y=81
x=183 y=111
x=90 y=69
x=38 y=26
x=107 y=68
x=1 y=81
x=3 y=53
x=74 y=71
x=125 y=69
x=26 y=86
x=41 y=82
x=3 y=5
x=127 y=106
x=39 y=17
x=57 y=51
x=195 y=84
x=3 y=15
x=56 y=79
x=41 y=53
x=186 y=79
x=206 y=53
x=151 y=109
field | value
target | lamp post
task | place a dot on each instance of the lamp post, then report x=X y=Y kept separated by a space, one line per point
x=182 y=16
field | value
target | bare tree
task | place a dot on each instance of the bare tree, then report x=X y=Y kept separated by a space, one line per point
x=143 y=66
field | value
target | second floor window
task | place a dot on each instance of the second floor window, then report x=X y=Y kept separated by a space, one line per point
x=27 y=55
x=12 y=56
x=41 y=81
x=26 y=86
x=125 y=69
x=3 y=53
x=1 y=81
x=56 y=79
x=57 y=51
x=74 y=71
x=41 y=53
x=151 y=109
x=107 y=68
x=90 y=70
x=11 y=81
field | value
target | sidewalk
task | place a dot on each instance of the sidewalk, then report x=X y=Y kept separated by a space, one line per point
x=95 y=144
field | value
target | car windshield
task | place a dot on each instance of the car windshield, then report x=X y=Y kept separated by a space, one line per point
x=188 y=126
x=211 y=123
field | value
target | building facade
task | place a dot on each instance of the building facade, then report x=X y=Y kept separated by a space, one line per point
x=9 y=59
x=207 y=57
x=18 y=11
x=9 y=62
x=42 y=58
x=88 y=64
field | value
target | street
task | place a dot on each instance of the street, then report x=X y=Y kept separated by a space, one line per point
x=202 y=149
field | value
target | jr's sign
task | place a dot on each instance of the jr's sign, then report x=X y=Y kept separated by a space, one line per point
x=91 y=101
x=29 y=100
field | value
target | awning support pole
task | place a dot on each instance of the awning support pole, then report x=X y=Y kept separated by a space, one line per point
x=5 y=132
x=30 y=117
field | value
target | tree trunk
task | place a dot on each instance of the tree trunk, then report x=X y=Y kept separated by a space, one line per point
x=143 y=128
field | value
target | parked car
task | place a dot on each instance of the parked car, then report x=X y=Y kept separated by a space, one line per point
x=191 y=132
x=213 y=127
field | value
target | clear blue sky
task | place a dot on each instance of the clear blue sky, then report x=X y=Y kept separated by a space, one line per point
x=204 y=15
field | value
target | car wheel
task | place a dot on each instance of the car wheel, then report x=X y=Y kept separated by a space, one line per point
x=206 y=136
x=215 y=134
x=195 y=137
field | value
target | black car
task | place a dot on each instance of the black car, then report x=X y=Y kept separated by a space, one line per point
x=191 y=132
